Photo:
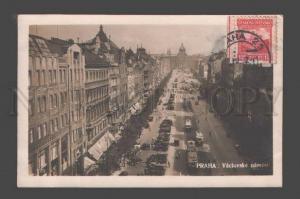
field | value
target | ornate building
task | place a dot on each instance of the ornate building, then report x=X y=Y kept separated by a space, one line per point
x=181 y=58
x=97 y=96
x=56 y=106
x=185 y=61
x=102 y=46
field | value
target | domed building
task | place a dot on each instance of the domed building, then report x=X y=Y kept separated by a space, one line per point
x=181 y=57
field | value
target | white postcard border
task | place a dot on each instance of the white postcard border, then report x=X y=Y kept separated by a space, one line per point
x=24 y=180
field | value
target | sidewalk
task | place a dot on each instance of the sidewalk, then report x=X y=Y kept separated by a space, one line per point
x=148 y=135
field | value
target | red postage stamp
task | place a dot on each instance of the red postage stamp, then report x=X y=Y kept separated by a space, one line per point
x=251 y=39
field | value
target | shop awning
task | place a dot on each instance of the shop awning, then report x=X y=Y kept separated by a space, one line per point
x=87 y=162
x=137 y=106
x=132 y=110
x=101 y=145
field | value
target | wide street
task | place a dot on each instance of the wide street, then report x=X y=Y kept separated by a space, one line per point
x=217 y=148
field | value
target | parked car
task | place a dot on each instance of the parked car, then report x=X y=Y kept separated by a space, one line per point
x=150 y=118
x=146 y=125
x=166 y=129
x=155 y=170
x=199 y=138
x=145 y=146
x=163 y=138
x=157 y=158
x=188 y=123
x=161 y=147
x=123 y=173
x=176 y=142
x=167 y=121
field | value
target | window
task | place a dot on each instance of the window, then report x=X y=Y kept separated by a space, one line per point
x=78 y=74
x=66 y=97
x=31 y=107
x=87 y=96
x=71 y=75
x=52 y=126
x=42 y=160
x=54 y=152
x=38 y=77
x=54 y=76
x=72 y=116
x=51 y=101
x=31 y=135
x=30 y=62
x=50 y=77
x=44 y=129
x=43 y=80
x=39 y=131
x=53 y=62
x=37 y=62
x=60 y=76
x=74 y=135
x=44 y=104
x=30 y=77
x=62 y=120
x=75 y=116
x=39 y=105
x=72 y=96
x=56 y=100
x=44 y=62
x=64 y=76
x=87 y=76
x=56 y=124
x=49 y=62
x=62 y=99
x=66 y=119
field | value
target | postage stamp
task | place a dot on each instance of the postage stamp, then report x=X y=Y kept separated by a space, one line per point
x=252 y=39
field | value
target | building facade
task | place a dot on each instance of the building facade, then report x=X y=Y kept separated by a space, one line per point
x=135 y=87
x=97 y=96
x=56 y=106
x=105 y=48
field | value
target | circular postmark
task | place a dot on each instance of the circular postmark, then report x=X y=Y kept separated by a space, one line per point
x=252 y=48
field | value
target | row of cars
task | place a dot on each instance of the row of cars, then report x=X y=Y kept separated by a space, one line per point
x=162 y=141
x=157 y=163
x=171 y=102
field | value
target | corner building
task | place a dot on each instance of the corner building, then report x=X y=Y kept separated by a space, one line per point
x=56 y=106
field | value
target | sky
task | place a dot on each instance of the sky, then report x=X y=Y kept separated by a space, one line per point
x=197 y=39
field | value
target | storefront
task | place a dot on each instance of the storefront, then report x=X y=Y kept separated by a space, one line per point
x=42 y=163
x=54 y=160
x=102 y=145
x=64 y=152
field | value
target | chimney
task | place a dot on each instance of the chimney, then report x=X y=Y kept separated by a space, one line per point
x=78 y=41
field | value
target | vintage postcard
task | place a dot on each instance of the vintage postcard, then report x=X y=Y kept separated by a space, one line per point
x=150 y=100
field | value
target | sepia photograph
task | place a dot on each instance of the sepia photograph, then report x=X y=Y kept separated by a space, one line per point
x=150 y=101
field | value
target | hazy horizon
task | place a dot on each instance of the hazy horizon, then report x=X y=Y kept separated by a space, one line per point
x=197 y=39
